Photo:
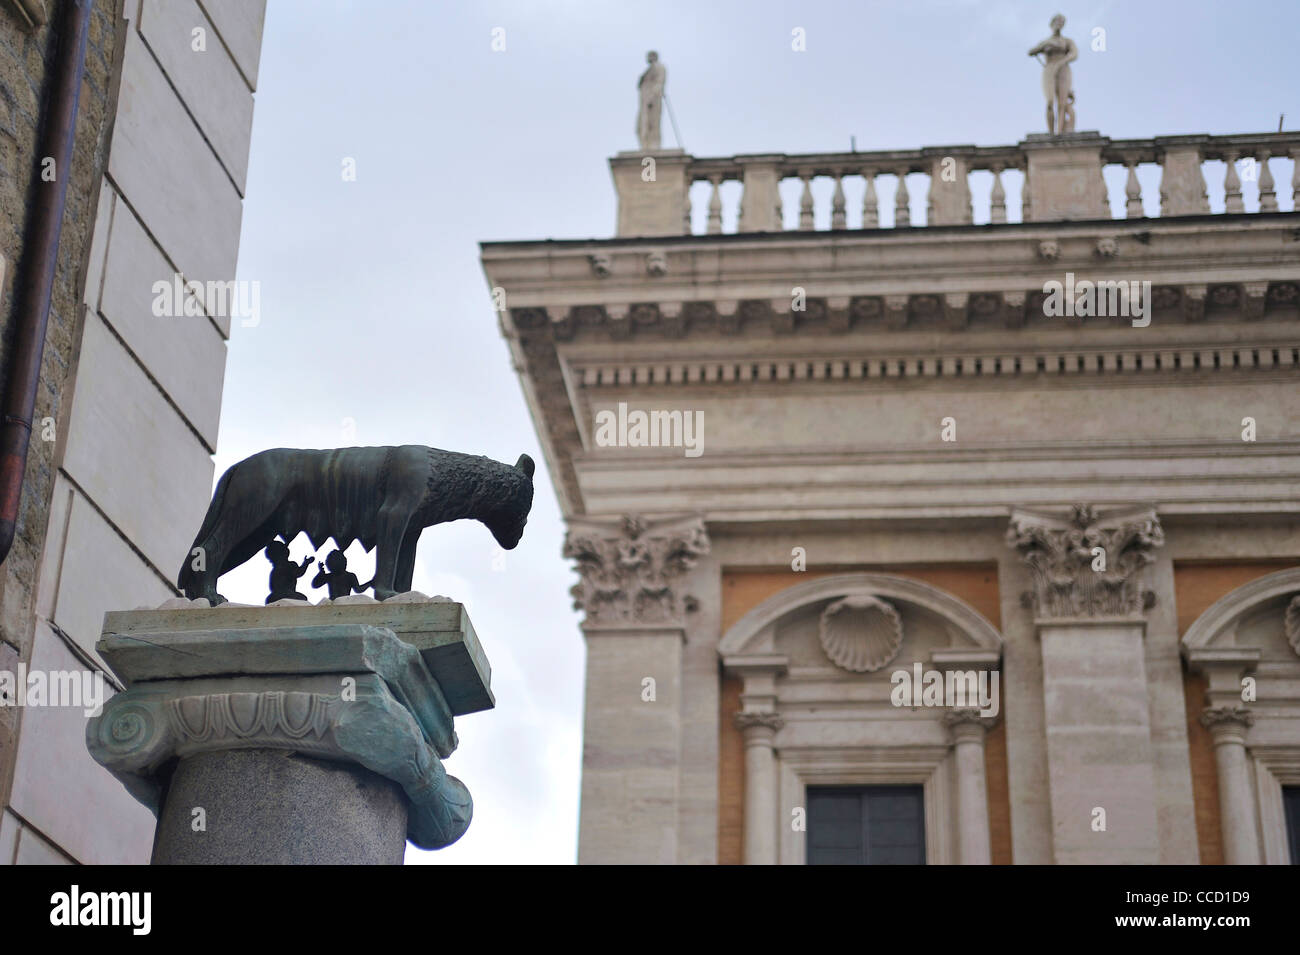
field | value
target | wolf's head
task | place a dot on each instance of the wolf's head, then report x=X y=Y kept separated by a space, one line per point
x=510 y=502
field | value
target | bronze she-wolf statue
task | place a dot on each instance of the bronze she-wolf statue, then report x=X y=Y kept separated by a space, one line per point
x=383 y=497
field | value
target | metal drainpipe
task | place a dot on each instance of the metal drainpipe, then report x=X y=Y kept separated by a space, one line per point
x=24 y=371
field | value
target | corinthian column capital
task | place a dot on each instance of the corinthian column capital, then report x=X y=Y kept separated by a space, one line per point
x=631 y=570
x=1087 y=563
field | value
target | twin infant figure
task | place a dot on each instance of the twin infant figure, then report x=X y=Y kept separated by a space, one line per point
x=334 y=574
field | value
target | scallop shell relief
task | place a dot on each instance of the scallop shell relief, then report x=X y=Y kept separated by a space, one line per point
x=861 y=633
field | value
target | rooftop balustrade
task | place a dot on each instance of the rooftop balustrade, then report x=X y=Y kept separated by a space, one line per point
x=1045 y=178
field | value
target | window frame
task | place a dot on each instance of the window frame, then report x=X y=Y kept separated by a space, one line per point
x=863 y=795
x=930 y=767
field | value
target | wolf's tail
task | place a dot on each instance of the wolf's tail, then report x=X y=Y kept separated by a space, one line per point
x=185 y=578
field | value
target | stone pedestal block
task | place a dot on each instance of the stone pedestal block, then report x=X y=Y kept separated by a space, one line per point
x=291 y=734
x=760 y=200
x=1065 y=181
x=652 y=192
x=1182 y=184
x=949 y=201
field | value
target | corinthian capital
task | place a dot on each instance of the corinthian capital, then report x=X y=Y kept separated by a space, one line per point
x=1087 y=563
x=631 y=570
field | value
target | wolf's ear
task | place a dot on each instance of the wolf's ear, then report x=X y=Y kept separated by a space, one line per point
x=525 y=464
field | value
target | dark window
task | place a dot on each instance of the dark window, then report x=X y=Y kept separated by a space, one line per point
x=1291 y=800
x=866 y=825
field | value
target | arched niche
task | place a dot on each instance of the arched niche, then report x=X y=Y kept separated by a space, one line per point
x=1247 y=645
x=970 y=633
x=817 y=714
x=1240 y=619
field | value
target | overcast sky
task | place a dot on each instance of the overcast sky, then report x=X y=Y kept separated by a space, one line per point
x=376 y=321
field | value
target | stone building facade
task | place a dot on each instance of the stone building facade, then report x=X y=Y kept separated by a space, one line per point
x=156 y=190
x=809 y=459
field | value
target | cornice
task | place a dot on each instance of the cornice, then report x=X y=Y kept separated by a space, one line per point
x=931 y=308
x=940 y=364
x=946 y=483
x=501 y=248
x=1263 y=293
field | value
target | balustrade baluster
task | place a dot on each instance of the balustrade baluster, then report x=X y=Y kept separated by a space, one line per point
x=1133 y=190
x=806 y=205
x=1267 y=192
x=839 y=219
x=998 y=198
x=871 y=208
x=1232 y=186
x=715 y=208
x=902 y=211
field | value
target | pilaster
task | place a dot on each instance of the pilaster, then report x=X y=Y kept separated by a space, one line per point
x=633 y=587
x=1089 y=613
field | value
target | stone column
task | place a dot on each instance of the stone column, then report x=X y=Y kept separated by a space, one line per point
x=762 y=801
x=631 y=580
x=1088 y=608
x=968 y=730
x=759 y=723
x=1237 y=815
x=1228 y=721
x=253 y=803
x=292 y=734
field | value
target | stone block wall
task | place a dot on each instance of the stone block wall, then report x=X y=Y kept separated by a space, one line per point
x=131 y=475
x=27 y=63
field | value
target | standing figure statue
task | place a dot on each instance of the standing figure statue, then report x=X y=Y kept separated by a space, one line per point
x=651 y=86
x=1060 y=52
